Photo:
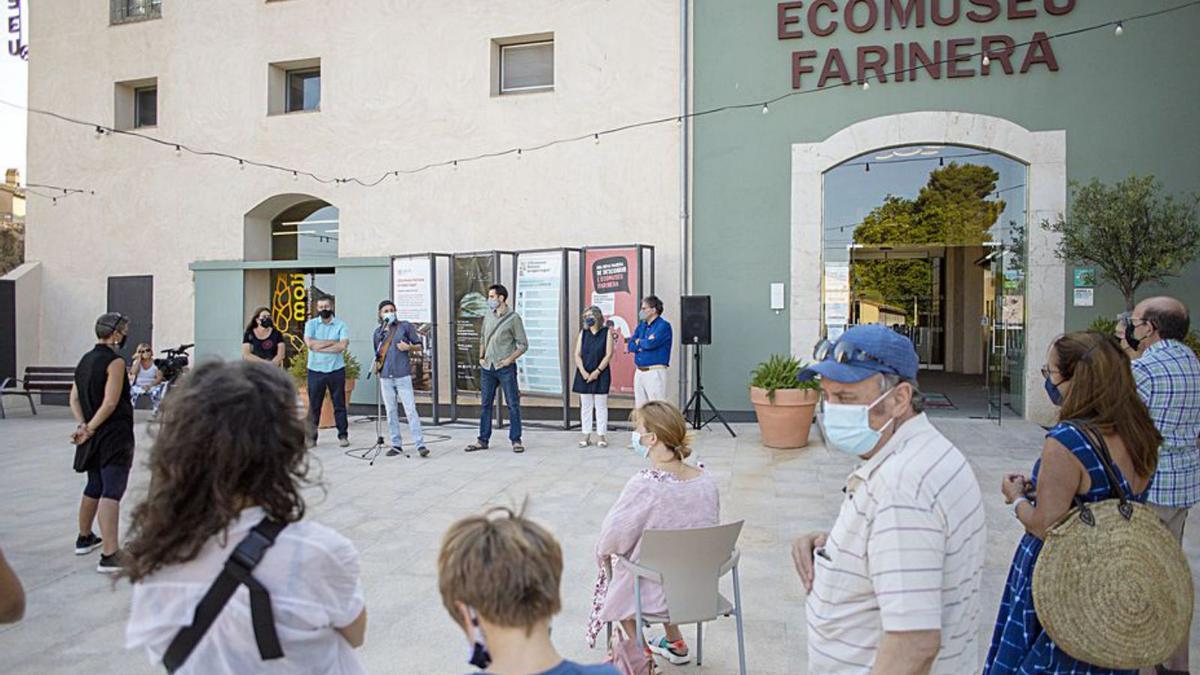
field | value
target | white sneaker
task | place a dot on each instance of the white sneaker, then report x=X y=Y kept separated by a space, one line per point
x=586 y=441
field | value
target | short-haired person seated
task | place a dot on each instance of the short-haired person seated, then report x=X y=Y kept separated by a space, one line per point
x=667 y=495
x=230 y=457
x=499 y=576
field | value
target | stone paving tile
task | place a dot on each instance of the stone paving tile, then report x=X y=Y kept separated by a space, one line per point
x=396 y=511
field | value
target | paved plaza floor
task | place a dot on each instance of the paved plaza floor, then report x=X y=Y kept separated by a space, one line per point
x=396 y=511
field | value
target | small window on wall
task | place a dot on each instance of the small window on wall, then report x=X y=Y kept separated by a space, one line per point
x=294 y=86
x=524 y=64
x=304 y=90
x=129 y=11
x=135 y=104
x=145 y=107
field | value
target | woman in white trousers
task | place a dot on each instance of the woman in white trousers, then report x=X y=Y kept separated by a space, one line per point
x=593 y=352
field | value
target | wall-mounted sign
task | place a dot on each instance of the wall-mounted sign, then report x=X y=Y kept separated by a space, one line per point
x=906 y=61
x=1085 y=277
x=1085 y=297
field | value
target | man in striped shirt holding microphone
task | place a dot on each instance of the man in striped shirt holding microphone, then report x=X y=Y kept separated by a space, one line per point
x=893 y=588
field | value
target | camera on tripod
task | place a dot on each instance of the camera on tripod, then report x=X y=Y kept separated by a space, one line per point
x=174 y=363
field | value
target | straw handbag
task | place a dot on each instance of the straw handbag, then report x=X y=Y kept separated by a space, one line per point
x=1112 y=586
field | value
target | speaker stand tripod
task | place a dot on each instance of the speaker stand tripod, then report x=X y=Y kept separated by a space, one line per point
x=699 y=399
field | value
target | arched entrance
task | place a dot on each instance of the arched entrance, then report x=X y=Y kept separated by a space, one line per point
x=1044 y=155
x=298 y=233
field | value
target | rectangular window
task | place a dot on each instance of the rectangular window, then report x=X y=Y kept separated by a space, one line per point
x=145 y=107
x=304 y=90
x=128 y=11
x=527 y=67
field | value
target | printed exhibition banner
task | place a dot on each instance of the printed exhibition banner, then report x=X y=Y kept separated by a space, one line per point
x=539 y=303
x=611 y=283
x=472 y=276
x=412 y=291
x=289 y=308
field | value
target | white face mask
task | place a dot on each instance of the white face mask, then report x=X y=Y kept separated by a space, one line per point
x=847 y=427
x=389 y=317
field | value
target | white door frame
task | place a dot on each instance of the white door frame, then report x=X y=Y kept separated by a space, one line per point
x=1045 y=154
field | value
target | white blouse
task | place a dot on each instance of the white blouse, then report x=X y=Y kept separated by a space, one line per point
x=311 y=573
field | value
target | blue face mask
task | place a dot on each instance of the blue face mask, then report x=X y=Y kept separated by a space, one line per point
x=639 y=447
x=848 y=427
x=1053 y=392
x=589 y=322
x=493 y=303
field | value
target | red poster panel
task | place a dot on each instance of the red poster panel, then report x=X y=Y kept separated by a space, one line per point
x=611 y=283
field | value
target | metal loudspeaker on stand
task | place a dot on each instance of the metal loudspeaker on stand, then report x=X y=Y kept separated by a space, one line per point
x=696 y=320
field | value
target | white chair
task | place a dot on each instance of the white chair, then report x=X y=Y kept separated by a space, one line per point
x=689 y=564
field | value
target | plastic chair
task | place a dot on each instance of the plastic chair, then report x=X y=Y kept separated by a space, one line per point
x=689 y=564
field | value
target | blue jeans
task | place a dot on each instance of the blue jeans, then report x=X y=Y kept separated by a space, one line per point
x=318 y=382
x=402 y=388
x=505 y=378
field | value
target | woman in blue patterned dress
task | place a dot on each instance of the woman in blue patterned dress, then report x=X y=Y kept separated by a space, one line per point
x=1088 y=376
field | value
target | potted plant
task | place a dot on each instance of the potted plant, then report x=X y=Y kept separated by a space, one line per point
x=298 y=369
x=784 y=405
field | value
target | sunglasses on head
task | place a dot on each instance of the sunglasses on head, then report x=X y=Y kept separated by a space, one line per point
x=844 y=351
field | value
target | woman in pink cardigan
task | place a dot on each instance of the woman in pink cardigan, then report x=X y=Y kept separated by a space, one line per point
x=667 y=495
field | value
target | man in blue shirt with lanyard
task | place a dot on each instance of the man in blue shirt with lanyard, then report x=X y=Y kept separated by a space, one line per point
x=395 y=340
x=327 y=337
x=650 y=345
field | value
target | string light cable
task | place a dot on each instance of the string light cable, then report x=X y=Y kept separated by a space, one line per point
x=1118 y=26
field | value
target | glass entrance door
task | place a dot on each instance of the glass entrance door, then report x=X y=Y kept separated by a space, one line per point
x=996 y=350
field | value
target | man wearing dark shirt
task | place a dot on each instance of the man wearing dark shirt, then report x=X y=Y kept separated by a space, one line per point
x=394 y=341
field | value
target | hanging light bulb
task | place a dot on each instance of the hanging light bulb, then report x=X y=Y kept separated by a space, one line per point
x=518 y=153
x=766 y=109
x=54 y=201
x=866 y=85
x=986 y=61
x=1120 y=30
x=679 y=121
x=295 y=176
x=596 y=137
x=99 y=132
x=941 y=161
x=178 y=151
x=868 y=167
x=455 y=167
x=241 y=165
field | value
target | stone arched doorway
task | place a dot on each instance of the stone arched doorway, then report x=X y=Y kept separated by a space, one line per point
x=1043 y=152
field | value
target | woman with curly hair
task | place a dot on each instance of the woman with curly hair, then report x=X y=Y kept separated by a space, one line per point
x=230 y=455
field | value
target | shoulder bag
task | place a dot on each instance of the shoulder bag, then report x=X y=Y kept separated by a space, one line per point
x=1112 y=586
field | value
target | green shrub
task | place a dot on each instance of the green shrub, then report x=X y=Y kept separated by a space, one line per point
x=1193 y=341
x=1104 y=325
x=298 y=367
x=780 y=372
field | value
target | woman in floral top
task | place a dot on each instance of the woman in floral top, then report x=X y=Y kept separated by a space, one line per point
x=669 y=494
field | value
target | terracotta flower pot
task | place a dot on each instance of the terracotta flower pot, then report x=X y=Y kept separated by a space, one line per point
x=327 y=421
x=785 y=421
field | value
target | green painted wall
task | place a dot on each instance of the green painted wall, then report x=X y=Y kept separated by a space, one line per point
x=361 y=284
x=1128 y=104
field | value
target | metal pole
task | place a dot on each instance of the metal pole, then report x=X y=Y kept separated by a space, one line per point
x=685 y=287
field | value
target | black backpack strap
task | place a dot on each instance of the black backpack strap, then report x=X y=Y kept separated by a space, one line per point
x=237 y=570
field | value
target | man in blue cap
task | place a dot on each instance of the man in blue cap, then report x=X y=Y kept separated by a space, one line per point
x=894 y=586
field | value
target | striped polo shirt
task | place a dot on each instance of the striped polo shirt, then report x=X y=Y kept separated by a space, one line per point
x=905 y=554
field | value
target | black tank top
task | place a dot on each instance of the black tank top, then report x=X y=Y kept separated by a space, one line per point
x=113 y=441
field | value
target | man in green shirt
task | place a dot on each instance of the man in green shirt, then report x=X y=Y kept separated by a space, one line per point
x=503 y=342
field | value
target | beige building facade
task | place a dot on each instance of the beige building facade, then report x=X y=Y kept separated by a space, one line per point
x=402 y=84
